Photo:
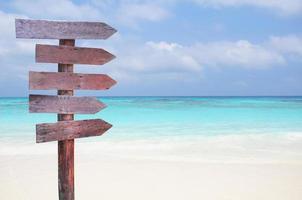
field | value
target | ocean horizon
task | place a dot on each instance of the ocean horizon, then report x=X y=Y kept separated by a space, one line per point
x=167 y=125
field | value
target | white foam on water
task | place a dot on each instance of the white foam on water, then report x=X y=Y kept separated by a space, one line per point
x=265 y=148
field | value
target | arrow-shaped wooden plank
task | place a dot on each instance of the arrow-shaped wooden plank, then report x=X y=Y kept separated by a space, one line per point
x=63 y=104
x=42 y=29
x=69 y=81
x=66 y=130
x=71 y=55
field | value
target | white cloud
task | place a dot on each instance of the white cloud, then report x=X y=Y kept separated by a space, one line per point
x=152 y=57
x=7 y=24
x=281 y=7
x=16 y=55
x=240 y=53
x=58 y=9
x=164 y=57
x=8 y=43
x=128 y=13
x=284 y=7
x=164 y=46
x=131 y=14
x=290 y=44
x=136 y=60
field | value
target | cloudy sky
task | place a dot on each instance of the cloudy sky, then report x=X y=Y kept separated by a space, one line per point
x=171 y=47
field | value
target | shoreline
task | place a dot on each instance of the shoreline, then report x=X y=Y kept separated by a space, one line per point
x=224 y=167
x=249 y=148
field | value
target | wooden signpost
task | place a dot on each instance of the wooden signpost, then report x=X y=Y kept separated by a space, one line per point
x=69 y=81
x=71 y=55
x=64 y=130
x=65 y=81
x=64 y=104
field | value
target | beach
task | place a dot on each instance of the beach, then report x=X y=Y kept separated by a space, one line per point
x=113 y=175
x=211 y=149
x=151 y=100
x=121 y=179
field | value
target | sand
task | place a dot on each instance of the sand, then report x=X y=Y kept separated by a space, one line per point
x=35 y=177
x=162 y=171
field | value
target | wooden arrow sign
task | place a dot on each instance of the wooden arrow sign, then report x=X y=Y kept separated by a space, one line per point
x=69 y=81
x=42 y=29
x=65 y=81
x=66 y=130
x=64 y=104
x=71 y=55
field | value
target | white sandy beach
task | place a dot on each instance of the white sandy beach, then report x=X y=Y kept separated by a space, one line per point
x=161 y=170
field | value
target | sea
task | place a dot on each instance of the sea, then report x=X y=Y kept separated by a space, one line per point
x=181 y=128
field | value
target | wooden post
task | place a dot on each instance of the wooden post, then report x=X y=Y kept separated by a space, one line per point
x=66 y=147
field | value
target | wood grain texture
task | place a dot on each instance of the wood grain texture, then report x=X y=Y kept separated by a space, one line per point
x=66 y=130
x=63 y=104
x=66 y=169
x=43 y=29
x=71 y=55
x=69 y=81
x=66 y=147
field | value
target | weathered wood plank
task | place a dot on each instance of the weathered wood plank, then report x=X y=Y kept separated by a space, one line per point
x=71 y=55
x=65 y=130
x=63 y=104
x=43 y=29
x=69 y=81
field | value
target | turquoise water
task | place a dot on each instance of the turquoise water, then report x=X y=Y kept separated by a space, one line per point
x=143 y=117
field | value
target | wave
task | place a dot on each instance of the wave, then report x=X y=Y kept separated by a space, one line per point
x=252 y=148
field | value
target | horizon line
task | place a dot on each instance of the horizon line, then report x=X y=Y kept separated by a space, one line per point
x=173 y=96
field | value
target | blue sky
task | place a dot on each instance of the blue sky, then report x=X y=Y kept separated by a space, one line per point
x=172 y=47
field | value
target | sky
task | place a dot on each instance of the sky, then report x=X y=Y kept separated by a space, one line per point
x=170 y=47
